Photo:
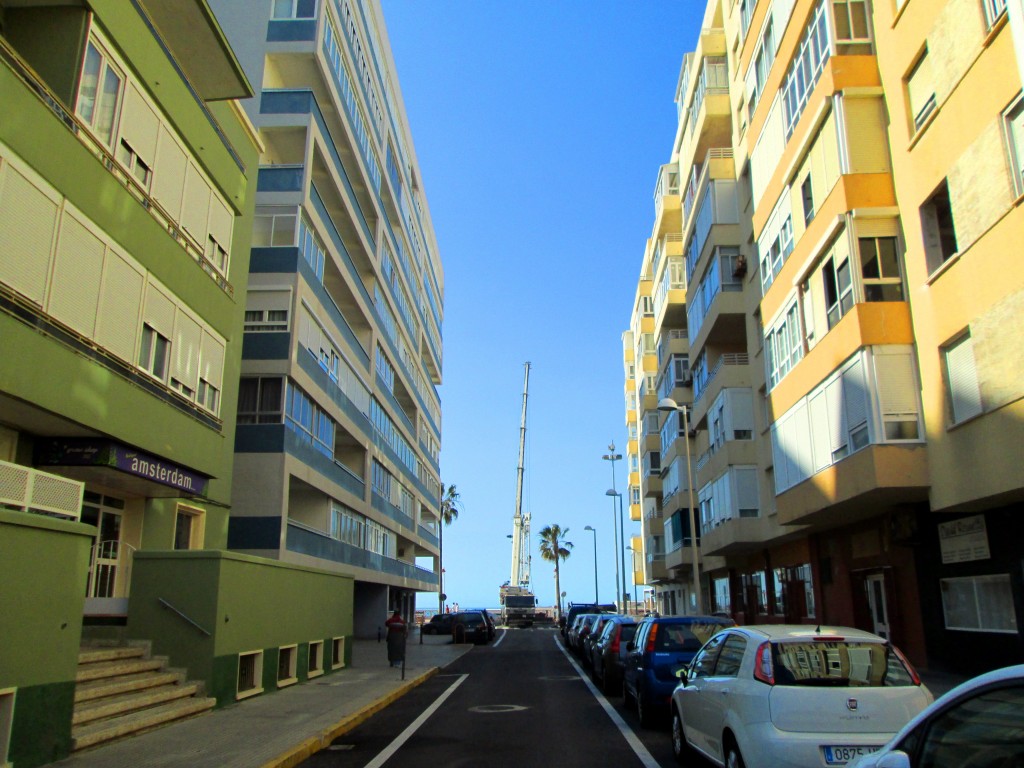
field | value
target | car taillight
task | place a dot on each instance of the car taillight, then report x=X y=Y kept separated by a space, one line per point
x=910 y=667
x=614 y=647
x=764 y=670
x=650 y=638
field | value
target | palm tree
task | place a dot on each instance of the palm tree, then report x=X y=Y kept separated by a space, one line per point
x=450 y=504
x=554 y=548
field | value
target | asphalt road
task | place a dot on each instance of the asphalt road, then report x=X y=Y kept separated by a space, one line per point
x=516 y=702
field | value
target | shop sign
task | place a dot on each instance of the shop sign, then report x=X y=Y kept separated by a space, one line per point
x=963 y=540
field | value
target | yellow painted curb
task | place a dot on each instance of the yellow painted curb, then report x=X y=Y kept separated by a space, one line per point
x=314 y=744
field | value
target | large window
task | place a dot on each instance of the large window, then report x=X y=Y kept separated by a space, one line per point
x=154 y=352
x=100 y=92
x=783 y=346
x=963 y=392
x=920 y=92
x=306 y=419
x=260 y=400
x=880 y=269
x=979 y=604
x=1014 y=126
x=806 y=67
x=294 y=9
x=838 y=284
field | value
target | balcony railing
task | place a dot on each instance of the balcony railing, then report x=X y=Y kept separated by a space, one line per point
x=730 y=358
x=30 y=490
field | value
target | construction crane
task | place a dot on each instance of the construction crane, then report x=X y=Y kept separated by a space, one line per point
x=518 y=604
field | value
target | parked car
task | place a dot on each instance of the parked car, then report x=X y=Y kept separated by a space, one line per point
x=662 y=646
x=780 y=695
x=575 y=609
x=469 y=627
x=574 y=629
x=583 y=629
x=590 y=638
x=439 y=624
x=978 y=723
x=609 y=652
x=491 y=627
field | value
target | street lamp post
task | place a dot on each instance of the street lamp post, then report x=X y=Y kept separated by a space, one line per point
x=622 y=538
x=669 y=405
x=612 y=456
x=593 y=530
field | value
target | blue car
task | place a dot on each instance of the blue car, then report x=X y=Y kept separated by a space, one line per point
x=661 y=647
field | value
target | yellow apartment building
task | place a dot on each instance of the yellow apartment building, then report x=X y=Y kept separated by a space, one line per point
x=850 y=391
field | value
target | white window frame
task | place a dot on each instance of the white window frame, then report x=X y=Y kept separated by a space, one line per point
x=315 y=659
x=148 y=355
x=1006 y=607
x=291 y=653
x=257 y=687
x=107 y=67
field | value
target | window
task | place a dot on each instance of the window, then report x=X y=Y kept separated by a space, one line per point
x=963 y=392
x=188 y=528
x=986 y=725
x=293 y=9
x=721 y=598
x=130 y=160
x=286 y=667
x=938 y=228
x=880 y=269
x=784 y=346
x=260 y=400
x=250 y=674
x=154 y=352
x=851 y=17
x=979 y=603
x=208 y=396
x=731 y=657
x=805 y=69
x=315 y=660
x=99 y=93
x=265 y=320
x=1014 y=125
x=216 y=255
x=920 y=92
x=703 y=664
x=838 y=289
x=807 y=195
x=993 y=10
x=337 y=652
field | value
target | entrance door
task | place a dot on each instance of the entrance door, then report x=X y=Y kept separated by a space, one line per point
x=105 y=513
x=874 y=585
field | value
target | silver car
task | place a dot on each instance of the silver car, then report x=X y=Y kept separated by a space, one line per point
x=774 y=696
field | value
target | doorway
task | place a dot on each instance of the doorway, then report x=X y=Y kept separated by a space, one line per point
x=106 y=561
x=878 y=607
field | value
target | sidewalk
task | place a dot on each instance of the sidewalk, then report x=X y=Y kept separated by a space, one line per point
x=283 y=728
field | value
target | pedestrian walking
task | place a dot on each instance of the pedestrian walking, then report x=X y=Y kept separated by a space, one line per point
x=396 y=639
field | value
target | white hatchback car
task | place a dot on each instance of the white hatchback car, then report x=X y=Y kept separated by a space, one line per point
x=978 y=724
x=773 y=696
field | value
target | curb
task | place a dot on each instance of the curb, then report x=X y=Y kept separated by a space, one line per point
x=314 y=744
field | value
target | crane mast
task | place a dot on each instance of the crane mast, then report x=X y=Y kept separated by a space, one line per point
x=521 y=522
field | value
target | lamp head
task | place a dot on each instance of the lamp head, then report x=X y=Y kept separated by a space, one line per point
x=612 y=492
x=668 y=404
x=589 y=528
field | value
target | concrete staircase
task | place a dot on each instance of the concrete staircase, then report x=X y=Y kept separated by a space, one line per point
x=122 y=691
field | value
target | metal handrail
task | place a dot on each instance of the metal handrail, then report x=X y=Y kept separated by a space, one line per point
x=170 y=607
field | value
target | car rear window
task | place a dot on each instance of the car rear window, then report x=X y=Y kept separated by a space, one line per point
x=684 y=637
x=839 y=663
x=471 y=619
x=628 y=632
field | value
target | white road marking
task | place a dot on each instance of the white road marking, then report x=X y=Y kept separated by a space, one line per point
x=498 y=641
x=405 y=735
x=627 y=733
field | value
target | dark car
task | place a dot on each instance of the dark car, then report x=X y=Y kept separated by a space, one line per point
x=470 y=627
x=575 y=609
x=609 y=652
x=491 y=628
x=587 y=644
x=439 y=624
x=583 y=628
x=662 y=646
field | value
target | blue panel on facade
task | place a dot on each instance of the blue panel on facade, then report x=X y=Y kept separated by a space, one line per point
x=272 y=345
x=254 y=533
x=259 y=438
x=280 y=179
x=281 y=30
x=276 y=259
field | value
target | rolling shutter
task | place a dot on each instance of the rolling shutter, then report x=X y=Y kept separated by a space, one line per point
x=169 y=174
x=196 y=205
x=212 y=359
x=140 y=125
x=159 y=311
x=117 y=326
x=75 y=287
x=28 y=222
x=962 y=377
x=185 y=351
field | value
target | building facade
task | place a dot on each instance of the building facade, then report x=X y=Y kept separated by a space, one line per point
x=339 y=418
x=125 y=217
x=855 y=388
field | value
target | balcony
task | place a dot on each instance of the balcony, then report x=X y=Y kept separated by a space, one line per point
x=654 y=568
x=862 y=485
x=732 y=368
x=666 y=201
x=30 y=490
x=716 y=311
x=740 y=534
x=709 y=116
x=681 y=558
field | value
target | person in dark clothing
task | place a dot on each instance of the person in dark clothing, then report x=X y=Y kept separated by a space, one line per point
x=396 y=639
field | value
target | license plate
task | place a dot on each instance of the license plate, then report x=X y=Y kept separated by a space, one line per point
x=840 y=755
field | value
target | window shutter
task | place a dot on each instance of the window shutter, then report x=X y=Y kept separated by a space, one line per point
x=185 y=351
x=212 y=359
x=140 y=125
x=169 y=174
x=221 y=220
x=867 y=142
x=821 y=444
x=159 y=311
x=196 y=205
x=920 y=87
x=117 y=325
x=746 y=488
x=28 y=222
x=836 y=414
x=897 y=386
x=964 y=393
x=75 y=288
x=855 y=395
x=778 y=459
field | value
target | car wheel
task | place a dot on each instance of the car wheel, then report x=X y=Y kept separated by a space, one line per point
x=680 y=748
x=643 y=709
x=733 y=758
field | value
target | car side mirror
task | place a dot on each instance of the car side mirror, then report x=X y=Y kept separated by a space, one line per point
x=894 y=759
x=683 y=674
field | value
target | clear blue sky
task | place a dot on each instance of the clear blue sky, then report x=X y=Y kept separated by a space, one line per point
x=539 y=127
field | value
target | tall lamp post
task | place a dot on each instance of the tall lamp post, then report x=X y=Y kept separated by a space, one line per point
x=622 y=538
x=593 y=530
x=612 y=456
x=632 y=559
x=668 y=405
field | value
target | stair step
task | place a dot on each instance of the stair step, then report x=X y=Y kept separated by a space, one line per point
x=104 y=669
x=112 y=706
x=137 y=722
x=113 y=653
x=103 y=687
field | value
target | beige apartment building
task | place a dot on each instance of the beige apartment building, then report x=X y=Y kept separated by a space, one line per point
x=829 y=301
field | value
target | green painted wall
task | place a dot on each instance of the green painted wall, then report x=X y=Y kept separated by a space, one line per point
x=245 y=603
x=43 y=567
